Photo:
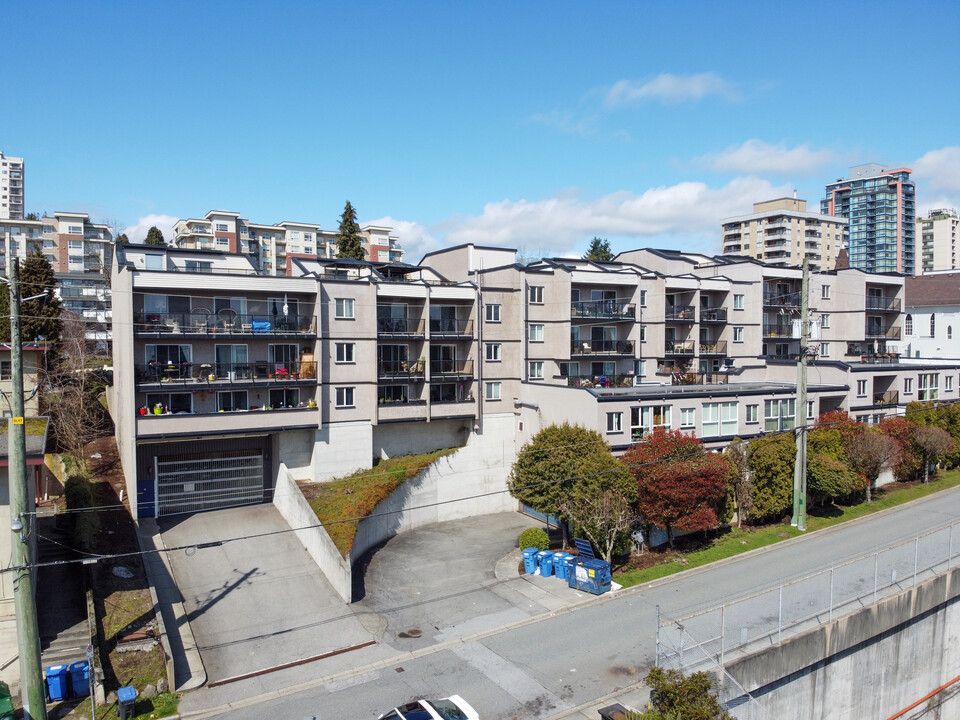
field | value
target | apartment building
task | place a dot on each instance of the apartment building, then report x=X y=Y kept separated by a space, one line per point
x=880 y=205
x=224 y=375
x=938 y=233
x=274 y=246
x=11 y=187
x=782 y=233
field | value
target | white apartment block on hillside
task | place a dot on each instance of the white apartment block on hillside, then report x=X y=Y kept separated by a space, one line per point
x=11 y=187
x=939 y=233
x=274 y=246
x=338 y=362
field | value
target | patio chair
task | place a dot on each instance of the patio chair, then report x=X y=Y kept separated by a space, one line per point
x=201 y=319
x=228 y=318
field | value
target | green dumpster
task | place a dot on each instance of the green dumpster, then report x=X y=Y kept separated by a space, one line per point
x=6 y=702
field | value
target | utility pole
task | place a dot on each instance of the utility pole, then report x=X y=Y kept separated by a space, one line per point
x=28 y=637
x=799 y=519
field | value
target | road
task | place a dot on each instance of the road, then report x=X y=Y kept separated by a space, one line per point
x=553 y=664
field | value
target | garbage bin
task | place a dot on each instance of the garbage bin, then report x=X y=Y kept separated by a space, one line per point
x=560 y=565
x=80 y=678
x=569 y=569
x=545 y=561
x=615 y=712
x=530 y=560
x=56 y=676
x=6 y=702
x=592 y=576
x=126 y=700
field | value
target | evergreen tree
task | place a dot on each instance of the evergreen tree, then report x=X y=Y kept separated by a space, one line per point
x=40 y=317
x=122 y=238
x=349 y=241
x=599 y=250
x=155 y=237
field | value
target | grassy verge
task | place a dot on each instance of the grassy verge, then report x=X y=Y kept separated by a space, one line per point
x=340 y=502
x=737 y=541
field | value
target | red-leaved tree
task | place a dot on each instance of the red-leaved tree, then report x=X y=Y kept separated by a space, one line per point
x=679 y=485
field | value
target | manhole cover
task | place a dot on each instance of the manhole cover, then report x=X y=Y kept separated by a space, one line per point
x=411 y=633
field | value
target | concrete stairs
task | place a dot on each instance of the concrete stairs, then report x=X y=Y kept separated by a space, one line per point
x=61 y=598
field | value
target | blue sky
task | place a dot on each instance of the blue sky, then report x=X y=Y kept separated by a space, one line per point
x=535 y=125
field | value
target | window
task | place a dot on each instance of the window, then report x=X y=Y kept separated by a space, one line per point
x=948 y=383
x=535 y=370
x=492 y=313
x=535 y=294
x=75 y=245
x=753 y=414
x=344 y=308
x=199 y=266
x=445 y=393
x=779 y=414
x=153 y=262
x=933 y=325
x=908 y=386
x=284 y=398
x=643 y=298
x=536 y=333
x=643 y=333
x=825 y=320
x=74 y=230
x=345 y=397
x=738 y=302
x=221 y=227
x=392 y=394
x=345 y=352
x=569 y=369
x=949 y=332
x=824 y=350
x=825 y=292
x=171 y=402
x=643 y=420
x=6 y=370
x=393 y=359
x=863 y=419
x=492 y=391
x=232 y=401
x=222 y=241
x=719 y=419
x=810 y=410
x=738 y=334
x=614 y=422
x=493 y=352
x=861 y=388
x=687 y=417
x=927 y=386
x=908 y=325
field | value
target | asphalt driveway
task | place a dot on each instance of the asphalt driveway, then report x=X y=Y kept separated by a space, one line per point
x=256 y=603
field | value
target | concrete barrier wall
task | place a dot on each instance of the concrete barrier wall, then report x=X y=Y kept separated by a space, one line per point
x=871 y=663
x=294 y=508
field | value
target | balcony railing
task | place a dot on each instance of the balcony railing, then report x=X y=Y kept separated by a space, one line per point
x=400 y=327
x=680 y=377
x=680 y=313
x=883 y=303
x=687 y=347
x=402 y=369
x=781 y=300
x=713 y=315
x=891 y=397
x=600 y=381
x=607 y=309
x=451 y=327
x=713 y=348
x=201 y=321
x=450 y=368
x=776 y=330
x=213 y=372
x=881 y=331
x=602 y=347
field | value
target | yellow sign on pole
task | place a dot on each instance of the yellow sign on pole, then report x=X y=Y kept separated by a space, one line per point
x=18 y=421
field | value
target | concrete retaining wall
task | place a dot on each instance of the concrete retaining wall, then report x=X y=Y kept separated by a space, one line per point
x=294 y=508
x=341 y=449
x=871 y=663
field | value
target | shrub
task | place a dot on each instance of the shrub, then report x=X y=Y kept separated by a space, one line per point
x=534 y=537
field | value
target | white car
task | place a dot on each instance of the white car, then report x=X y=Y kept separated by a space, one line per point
x=451 y=708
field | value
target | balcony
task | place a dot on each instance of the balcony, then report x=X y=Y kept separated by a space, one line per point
x=681 y=377
x=602 y=347
x=213 y=375
x=680 y=313
x=200 y=321
x=891 y=397
x=443 y=369
x=883 y=304
x=713 y=315
x=713 y=348
x=600 y=381
x=394 y=410
x=891 y=332
x=453 y=408
x=400 y=327
x=219 y=422
x=401 y=370
x=451 y=327
x=602 y=309
x=787 y=300
x=777 y=330
x=672 y=347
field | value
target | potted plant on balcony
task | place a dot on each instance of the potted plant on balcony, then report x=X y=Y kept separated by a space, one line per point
x=144 y=410
x=282 y=373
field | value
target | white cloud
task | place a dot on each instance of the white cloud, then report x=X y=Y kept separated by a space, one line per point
x=670 y=88
x=757 y=156
x=563 y=224
x=567 y=121
x=138 y=233
x=939 y=170
x=413 y=237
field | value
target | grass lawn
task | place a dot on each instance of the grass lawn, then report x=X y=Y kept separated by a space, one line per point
x=339 y=503
x=735 y=541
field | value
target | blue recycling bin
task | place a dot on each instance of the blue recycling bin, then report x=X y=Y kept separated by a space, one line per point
x=530 y=560
x=545 y=561
x=80 y=678
x=591 y=575
x=560 y=565
x=126 y=701
x=569 y=568
x=56 y=676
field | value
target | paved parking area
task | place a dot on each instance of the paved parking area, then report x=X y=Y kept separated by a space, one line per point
x=255 y=603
